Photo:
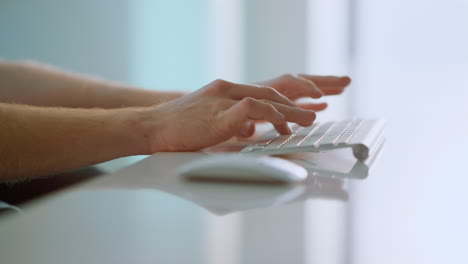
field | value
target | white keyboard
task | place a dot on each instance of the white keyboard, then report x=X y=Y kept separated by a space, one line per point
x=363 y=136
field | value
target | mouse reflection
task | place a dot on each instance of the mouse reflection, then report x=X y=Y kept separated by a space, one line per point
x=159 y=172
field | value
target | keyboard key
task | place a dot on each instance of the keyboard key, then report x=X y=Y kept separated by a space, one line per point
x=334 y=134
x=304 y=131
x=312 y=140
x=295 y=127
x=263 y=142
x=348 y=133
x=317 y=134
x=278 y=142
x=272 y=134
x=294 y=141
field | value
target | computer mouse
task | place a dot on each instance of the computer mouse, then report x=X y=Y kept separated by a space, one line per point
x=243 y=168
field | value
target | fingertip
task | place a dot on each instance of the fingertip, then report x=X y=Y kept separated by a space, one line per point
x=307 y=121
x=321 y=107
x=324 y=105
x=247 y=134
x=313 y=115
x=317 y=94
x=247 y=129
x=345 y=80
x=283 y=129
x=315 y=107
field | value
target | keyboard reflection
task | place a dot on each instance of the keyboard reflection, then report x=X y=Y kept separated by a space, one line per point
x=158 y=172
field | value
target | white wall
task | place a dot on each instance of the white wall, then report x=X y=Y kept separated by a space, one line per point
x=151 y=43
x=169 y=44
x=85 y=36
x=411 y=67
x=183 y=45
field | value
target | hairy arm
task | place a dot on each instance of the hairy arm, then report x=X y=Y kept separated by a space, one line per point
x=42 y=85
x=38 y=141
x=44 y=139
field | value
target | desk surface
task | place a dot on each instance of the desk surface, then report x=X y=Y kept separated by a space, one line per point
x=146 y=214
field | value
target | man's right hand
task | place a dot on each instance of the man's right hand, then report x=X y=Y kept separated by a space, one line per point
x=216 y=113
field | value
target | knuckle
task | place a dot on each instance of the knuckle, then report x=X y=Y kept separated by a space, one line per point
x=248 y=102
x=271 y=91
x=288 y=76
x=220 y=85
x=219 y=82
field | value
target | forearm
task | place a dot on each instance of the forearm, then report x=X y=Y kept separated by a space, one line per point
x=39 y=140
x=35 y=84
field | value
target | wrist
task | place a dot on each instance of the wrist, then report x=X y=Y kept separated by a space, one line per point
x=132 y=131
x=144 y=128
x=152 y=98
x=136 y=97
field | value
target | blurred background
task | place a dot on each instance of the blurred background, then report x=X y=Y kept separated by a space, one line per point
x=409 y=64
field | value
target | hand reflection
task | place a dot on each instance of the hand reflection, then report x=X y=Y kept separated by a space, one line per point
x=159 y=172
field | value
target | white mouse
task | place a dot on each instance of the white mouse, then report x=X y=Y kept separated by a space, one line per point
x=243 y=168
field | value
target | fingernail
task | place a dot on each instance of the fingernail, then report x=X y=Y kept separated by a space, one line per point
x=346 y=79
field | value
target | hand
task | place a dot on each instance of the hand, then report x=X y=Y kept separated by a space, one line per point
x=217 y=112
x=304 y=85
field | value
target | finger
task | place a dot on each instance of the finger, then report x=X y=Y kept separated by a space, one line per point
x=240 y=91
x=283 y=129
x=303 y=117
x=296 y=87
x=314 y=107
x=308 y=88
x=330 y=85
x=247 y=129
x=253 y=109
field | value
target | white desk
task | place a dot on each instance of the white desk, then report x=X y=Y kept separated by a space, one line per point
x=106 y=220
x=146 y=214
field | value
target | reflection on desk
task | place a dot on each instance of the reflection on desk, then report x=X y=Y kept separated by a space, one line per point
x=158 y=172
x=326 y=180
x=146 y=212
